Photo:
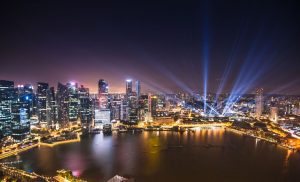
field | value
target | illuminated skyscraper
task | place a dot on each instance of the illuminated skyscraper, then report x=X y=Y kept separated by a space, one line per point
x=138 y=88
x=259 y=102
x=273 y=114
x=153 y=101
x=7 y=96
x=124 y=110
x=116 y=106
x=128 y=87
x=28 y=97
x=143 y=106
x=85 y=107
x=73 y=101
x=62 y=104
x=20 y=121
x=133 y=109
x=103 y=94
x=52 y=108
x=102 y=87
x=42 y=89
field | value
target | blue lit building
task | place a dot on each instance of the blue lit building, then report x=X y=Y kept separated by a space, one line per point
x=20 y=124
x=7 y=96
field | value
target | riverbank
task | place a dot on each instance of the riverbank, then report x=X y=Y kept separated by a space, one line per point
x=261 y=138
x=15 y=152
x=61 y=142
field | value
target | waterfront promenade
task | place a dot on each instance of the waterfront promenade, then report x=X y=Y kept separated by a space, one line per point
x=288 y=147
x=16 y=151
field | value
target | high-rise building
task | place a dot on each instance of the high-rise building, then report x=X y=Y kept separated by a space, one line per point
x=153 y=101
x=103 y=94
x=7 y=96
x=42 y=89
x=138 y=88
x=27 y=96
x=128 y=87
x=67 y=102
x=116 y=106
x=7 y=91
x=143 y=106
x=73 y=101
x=20 y=124
x=133 y=109
x=85 y=107
x=52 y=108
x=102 y=86
x=273 y=114
x=124 y=110
x=62 y=104
x=258 y=102
x=14 y=110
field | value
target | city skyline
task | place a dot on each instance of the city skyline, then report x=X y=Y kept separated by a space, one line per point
x=169 y=46
x=126 y=90
x=122 y=89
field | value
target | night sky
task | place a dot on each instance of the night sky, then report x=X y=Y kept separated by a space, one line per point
x=163 y=44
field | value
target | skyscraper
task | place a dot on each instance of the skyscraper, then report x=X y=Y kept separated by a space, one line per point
x=102 y=86
x=52 y=108
x=20 y=121
x=124 y=112
x=85 y=107
x=153 y=105
x=42 y=89
x=103 y=94
x=143 y=106
x=273 y=114
x=138 y=88
x=27 y=96
x=128 y=87
x=7 y=96
x=258 y=102
x=116 y=106
x=62 y=104
x=73 y=101
x=133 y=109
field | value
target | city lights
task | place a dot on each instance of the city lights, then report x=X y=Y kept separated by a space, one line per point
x=144 y=91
